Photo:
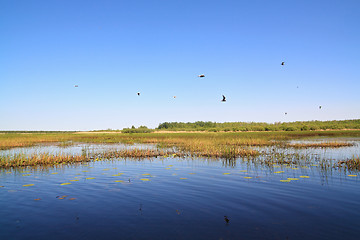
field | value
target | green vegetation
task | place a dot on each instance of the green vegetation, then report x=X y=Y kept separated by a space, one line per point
x=259 y=126
x=45 y=159
x=141 y=129
x=224 y=145
x=241 y=139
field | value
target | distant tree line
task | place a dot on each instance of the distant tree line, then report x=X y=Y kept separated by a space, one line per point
x=141 y=129
x=259 y=126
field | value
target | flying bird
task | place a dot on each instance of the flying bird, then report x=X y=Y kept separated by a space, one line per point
x=282 y=63
x=286 y=113
x=226 y=219
x=76 y=86
x=138 y=93
x=224 y=99
x=319 y=107
x=174 y=96
x=201 y=75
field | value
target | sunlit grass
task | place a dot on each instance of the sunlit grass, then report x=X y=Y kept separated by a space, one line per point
x=220 y=145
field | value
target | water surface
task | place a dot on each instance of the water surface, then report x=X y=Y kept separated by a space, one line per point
x=179 y=198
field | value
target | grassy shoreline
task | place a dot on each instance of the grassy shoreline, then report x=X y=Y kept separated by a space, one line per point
x=12 y=140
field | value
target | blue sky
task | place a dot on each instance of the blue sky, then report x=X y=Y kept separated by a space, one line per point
x=114 y=49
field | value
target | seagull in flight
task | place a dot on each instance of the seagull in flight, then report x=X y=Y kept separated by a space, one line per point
x=201 y=75
x=282 y=63
x=224 y=99
x=138 y=93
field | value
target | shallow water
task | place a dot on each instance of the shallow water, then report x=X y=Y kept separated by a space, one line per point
x=179 y=198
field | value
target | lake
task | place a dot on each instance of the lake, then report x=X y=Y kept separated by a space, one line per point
x=179 y=198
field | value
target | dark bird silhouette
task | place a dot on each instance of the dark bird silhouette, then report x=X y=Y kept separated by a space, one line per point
x=282 y=63
x=319 y=107
x=138 y=93
x=174 y=96
x=76 y=86
x=201 y=75
x=286 y=113
x=224 y=99
x=226 y=219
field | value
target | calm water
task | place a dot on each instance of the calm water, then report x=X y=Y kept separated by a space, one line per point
x=175 y=198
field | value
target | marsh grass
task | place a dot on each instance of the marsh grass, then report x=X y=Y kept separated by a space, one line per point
x=212 y=145
x=350 y=164
x=320 y=145
x=11 y=140
x=22 y=160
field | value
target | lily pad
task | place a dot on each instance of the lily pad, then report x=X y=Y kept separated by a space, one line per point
x=28 y=185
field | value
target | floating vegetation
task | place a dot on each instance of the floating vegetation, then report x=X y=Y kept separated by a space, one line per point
x=118 y=181
x=144 y=179
x=293 y=179
x=304 y=177
x=117 y=175
x=67 y=183
x=28 y=185
x=90 y=178
x=247 y=177
x=287 y=180
x=226 y=173
x=350 y=175
x=183 y=178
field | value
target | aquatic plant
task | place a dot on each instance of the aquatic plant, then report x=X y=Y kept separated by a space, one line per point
x=21 y=160
x=320 y=145
x=350 y=164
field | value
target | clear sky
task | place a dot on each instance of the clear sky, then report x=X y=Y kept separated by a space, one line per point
x=113 y=49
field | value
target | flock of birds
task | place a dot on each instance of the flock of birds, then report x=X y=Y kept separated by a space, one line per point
x=223 y=96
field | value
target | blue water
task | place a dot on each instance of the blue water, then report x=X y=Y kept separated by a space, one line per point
x=323 y=206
